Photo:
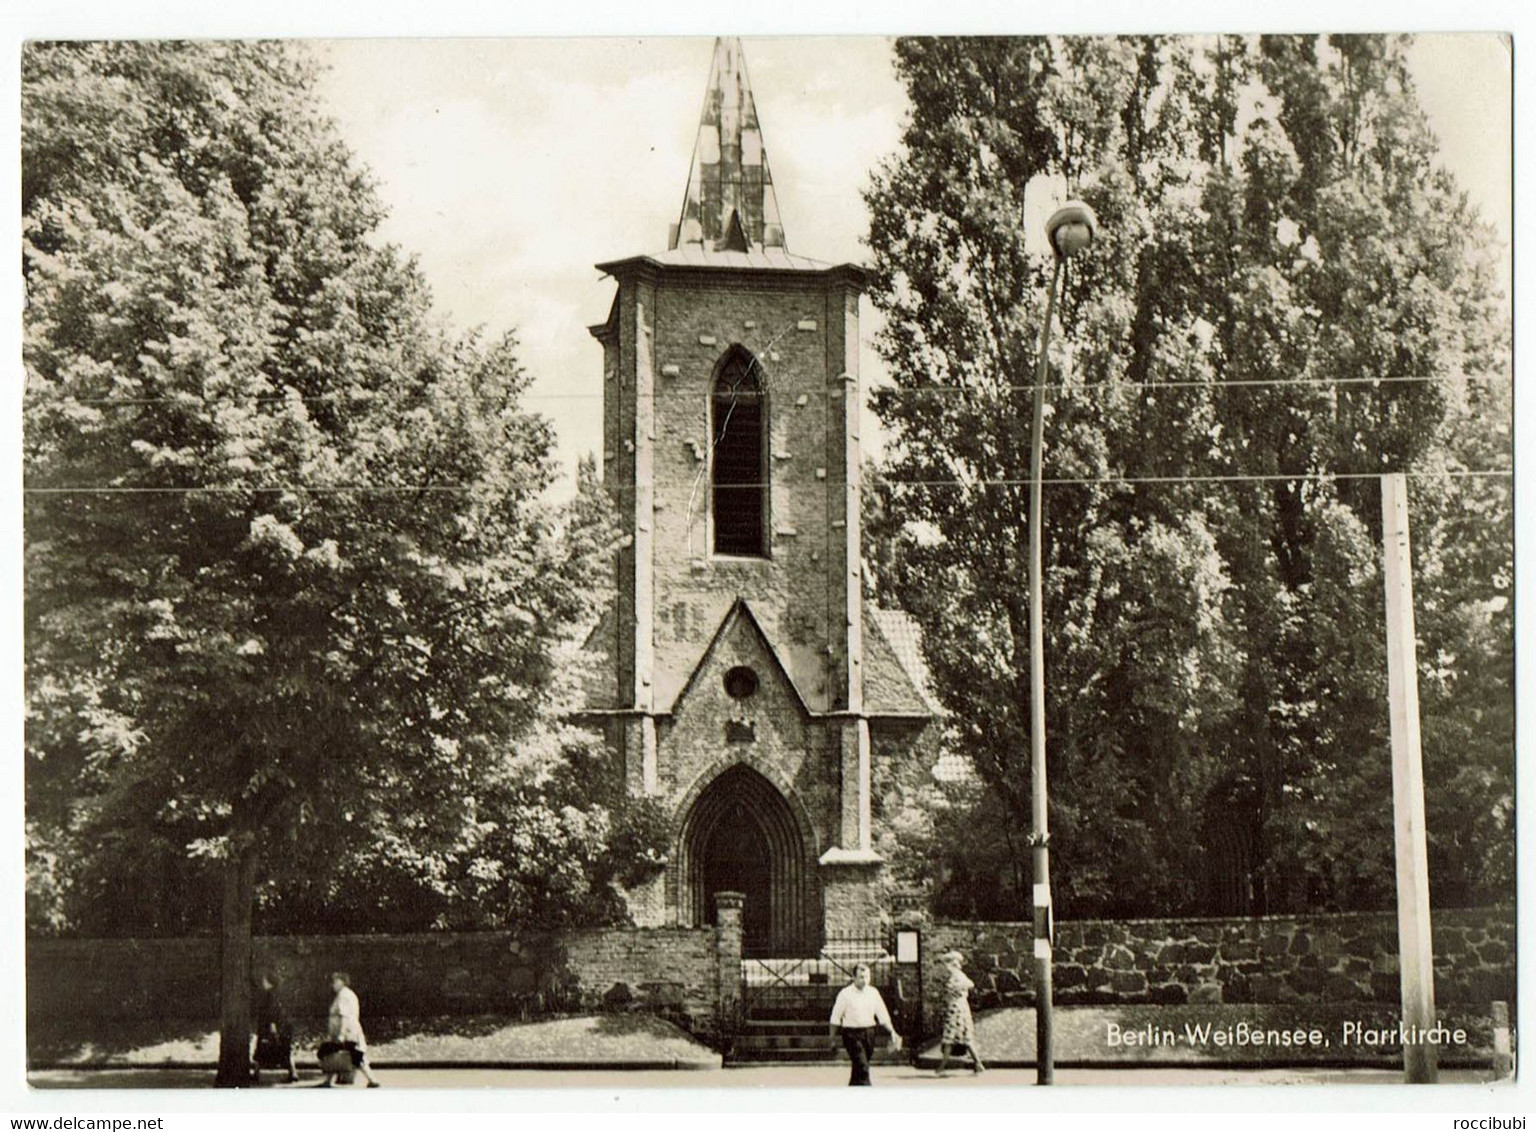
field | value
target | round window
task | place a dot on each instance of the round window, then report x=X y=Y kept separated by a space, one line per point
x=740 y=683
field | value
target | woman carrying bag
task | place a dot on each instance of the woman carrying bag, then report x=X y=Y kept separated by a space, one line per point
x=959 y=1028
x=345 y=1051
x=274 y=1032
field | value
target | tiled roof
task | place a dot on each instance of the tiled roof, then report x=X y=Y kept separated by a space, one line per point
x=905 y=638
x=756 y=258
x=598 y=677
x=953 y=767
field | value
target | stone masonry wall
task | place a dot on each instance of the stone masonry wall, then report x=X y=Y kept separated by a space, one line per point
x=794 y=751
x=1350 y=957
x=668 y=971
x=663 y=345
x=683 y=972
x=783 y=323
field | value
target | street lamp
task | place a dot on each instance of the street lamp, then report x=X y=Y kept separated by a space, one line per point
x=1070 y=229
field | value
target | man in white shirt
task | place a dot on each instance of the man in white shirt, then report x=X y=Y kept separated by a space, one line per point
x=857 y=1011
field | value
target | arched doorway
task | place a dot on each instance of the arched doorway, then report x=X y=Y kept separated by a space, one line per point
x=736 y=858
x=741 y=836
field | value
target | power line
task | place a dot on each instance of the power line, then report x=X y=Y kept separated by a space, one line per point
x=236 y=489
x=1047 y=481
x=1221 y=384
x=1267 y=477
x=883 y=390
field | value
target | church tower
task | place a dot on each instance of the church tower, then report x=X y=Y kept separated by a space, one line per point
x=734 y=666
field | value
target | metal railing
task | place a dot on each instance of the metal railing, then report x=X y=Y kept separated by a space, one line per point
x=805 y=987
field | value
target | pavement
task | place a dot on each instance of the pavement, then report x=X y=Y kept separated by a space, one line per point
x=828 y=1075
x=1236 y=1035
x=605 y=1041
x=1194 y=1044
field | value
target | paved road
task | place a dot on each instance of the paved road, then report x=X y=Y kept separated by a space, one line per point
x=754 y=1076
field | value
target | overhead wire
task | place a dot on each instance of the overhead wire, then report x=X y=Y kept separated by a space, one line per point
x=883 y=390
x=1046 y=481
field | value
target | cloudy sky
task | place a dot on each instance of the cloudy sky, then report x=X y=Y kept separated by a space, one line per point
x=511 y=166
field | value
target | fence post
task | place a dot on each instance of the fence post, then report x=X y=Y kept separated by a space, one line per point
x=909 y=957
x=1503 y=1049
x=728 y=907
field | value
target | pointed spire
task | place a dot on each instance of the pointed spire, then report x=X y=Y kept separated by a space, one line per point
x=730 y=203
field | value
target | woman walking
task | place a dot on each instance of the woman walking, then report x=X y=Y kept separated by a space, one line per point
x=344 y=1031
x=274 y=1032
x=959 y=1028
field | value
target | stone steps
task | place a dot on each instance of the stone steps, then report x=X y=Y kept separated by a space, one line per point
x=808 y=1057
x=798 y=1040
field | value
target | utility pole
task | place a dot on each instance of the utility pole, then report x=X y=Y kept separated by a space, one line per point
x=1070 y=230
x=1420 y=1057
x=1040 y=835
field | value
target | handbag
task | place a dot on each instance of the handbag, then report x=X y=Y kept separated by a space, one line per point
x=340 y=1058
x=272 y=1050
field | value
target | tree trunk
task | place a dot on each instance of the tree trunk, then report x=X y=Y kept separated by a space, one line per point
x=235 y=970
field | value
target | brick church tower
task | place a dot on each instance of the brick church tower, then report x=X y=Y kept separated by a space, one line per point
x=740 y=676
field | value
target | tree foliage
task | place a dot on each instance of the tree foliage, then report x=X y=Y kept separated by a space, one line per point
x=1287 y=298
x=295 y=601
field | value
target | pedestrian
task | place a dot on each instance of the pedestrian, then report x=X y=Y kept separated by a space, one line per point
x=344 y=1033
x=857 y=1011
x=959 y=1035
x=274 y=1032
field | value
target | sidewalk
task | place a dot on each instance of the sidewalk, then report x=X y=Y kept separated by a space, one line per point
x=830 y=1075
x=1236 y=1036
x=1242 y=1038
x=610 y=1042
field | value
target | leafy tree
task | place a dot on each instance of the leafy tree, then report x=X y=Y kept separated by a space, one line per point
x=1277 y=249
x=1462 y=538
x=294 y=600
x=970 y=858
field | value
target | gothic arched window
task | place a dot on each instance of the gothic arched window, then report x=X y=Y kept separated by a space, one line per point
x=739 y=471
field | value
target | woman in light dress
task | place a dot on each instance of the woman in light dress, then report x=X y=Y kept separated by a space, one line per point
x=959 y=1028
x=344 y=1031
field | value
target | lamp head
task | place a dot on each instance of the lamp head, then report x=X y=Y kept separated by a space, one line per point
x=1071 y=228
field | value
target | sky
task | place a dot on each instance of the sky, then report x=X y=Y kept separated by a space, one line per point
x=511 y=166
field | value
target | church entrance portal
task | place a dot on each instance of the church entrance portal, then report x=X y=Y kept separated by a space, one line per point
x=736 y=860
x=741 y=836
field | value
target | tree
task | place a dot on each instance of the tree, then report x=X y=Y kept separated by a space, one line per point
x=1462 y=538
x=292 y=593
x=1278 y=252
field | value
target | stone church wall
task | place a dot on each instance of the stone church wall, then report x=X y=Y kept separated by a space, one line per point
x=691 y=974
x=670 y=971
x=695 y=327
x=1347 y=957
x=793 y=748
x=903 y=800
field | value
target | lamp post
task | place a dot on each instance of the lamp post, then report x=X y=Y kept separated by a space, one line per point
x=1070 y=229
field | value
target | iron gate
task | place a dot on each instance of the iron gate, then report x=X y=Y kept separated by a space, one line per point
x=805 y=988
